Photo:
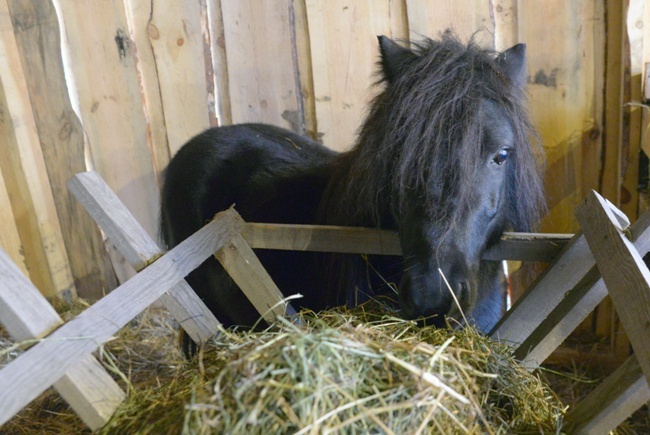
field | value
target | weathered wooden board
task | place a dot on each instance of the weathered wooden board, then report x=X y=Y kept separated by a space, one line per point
x=26 y=315
x=262 y=81
x=465 y=18
x=512 y=246
x=61 y=139
x=623 y=270
x=32 y=372
x=9 y=238
x=138 y=18
x=243 y=266
x=180 y=40
x=564 y=56
x=611 y=402
x=139 y=249
x=562 y=297
x=25 y=175
x=219 y=62
x=344 y=53
x=103 y=67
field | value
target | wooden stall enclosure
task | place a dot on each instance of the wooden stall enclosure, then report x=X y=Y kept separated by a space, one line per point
x=119 y=85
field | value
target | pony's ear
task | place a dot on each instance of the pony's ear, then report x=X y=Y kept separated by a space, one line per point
x=394 y=58
x=513 y=63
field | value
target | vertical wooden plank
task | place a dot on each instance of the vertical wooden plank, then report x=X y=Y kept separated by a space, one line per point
x=111 y=103
x=506 y=24
x=261 y=75
x=465 y=18
x=138 y=16
x=61 y=140
x=565 y=98
x=23 y=169
x=301 y=40
x=219 y=62
x=344 y=53
x=9 y=238
x=180 y=40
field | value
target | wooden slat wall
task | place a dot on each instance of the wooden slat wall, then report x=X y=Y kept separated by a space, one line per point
x=150 y=74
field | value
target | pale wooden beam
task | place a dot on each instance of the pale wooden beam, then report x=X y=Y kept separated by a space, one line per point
x=137 y=247
x=26 y=315
x=31 y=373
x=611 y=402
x=356 y=240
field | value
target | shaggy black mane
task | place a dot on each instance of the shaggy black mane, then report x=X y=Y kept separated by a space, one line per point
x=430 y=110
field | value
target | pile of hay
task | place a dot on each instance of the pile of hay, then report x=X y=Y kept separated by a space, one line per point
x=360 y=370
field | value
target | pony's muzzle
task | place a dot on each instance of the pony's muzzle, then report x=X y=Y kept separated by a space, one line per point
x=438 y=295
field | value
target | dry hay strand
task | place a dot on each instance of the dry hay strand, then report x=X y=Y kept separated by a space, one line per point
x=353 y=371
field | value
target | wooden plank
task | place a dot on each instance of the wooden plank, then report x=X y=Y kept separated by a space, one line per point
x=562 y=297
x=61 y=140
x=344 y=52
x=545 y=293
x=611 y=402
x=465 y=18
x=9 y=238
x=138 y=17
x=565 y=98
x=25 y=175
x=513 y=246
x=180 y=40
x=245 y=269
x=31 y=373
x=623 y=270
x=219 y=62
x=25 y=314
x=261 y=74
x=506 y=24
x=110 y=102
x=301 y=44
x=139 y=250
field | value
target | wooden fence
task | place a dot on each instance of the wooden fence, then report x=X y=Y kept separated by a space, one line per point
x=63 y=358
x=119 y=85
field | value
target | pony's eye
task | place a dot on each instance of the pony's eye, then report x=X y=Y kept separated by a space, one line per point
x=501 y=156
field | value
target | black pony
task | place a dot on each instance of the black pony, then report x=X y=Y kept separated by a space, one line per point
x=445 y=157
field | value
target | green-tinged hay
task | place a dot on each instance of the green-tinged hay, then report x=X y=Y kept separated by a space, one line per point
x=352 y=371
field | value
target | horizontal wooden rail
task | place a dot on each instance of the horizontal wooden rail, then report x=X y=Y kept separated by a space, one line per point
x=354 y=240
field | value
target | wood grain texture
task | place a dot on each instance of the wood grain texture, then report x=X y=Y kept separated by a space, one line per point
x=110 y=102
x=25 y=314
x=139 y=249
x=623 y=270
x=9 y=238
x=611 y=402
x=261 y=80
x=61 y=140
x=179 y=36
x=465 y=18
x=344 y=53
x=243 y=266
x=512 y=246
x=25 y=175
x=32 y=372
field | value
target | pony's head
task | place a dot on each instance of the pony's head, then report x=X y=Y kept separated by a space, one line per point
x=448 y=157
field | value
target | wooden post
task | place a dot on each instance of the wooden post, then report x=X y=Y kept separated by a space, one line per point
x=25 y=314
x=139 y=250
